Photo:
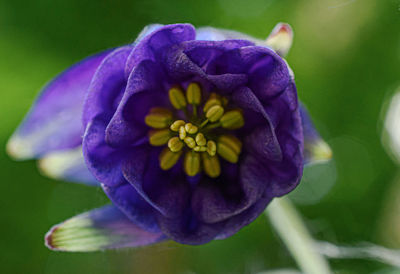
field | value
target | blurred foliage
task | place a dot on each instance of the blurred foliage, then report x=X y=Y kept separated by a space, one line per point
x=346 y=57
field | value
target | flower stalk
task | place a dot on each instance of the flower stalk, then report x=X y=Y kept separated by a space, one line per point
x=291 y=229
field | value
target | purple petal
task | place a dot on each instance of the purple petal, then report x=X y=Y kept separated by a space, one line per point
x=143 y=91
x=315 y=148
x=132 y=204
x=231 y=193
x=151 y=45
x=234 y=224
x=67 y=165
x=54 y=121
x=166 y=191
x=99 y=229
x=104 y=95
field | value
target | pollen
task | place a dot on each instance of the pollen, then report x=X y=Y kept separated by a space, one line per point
x=202 y=131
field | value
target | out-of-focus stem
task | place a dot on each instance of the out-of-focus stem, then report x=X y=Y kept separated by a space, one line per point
x=290 y=227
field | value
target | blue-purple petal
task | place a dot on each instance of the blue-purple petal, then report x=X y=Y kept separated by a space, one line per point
x=67 y=165
x=54 y=121
x=99 y=229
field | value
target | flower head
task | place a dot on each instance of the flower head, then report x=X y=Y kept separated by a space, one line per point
x=190 y=133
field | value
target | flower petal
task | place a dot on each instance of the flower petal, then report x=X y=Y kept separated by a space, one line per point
x=67 y=165
x=104 y=95
x=280 y=39
x=151 y=45
x=54 y=121
x=99 y=229
x=315 y=148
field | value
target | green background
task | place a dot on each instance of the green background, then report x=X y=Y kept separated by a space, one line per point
x=346 y=57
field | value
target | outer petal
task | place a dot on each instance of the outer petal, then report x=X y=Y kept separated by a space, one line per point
x=280 y=39
x=54 y=121
x=315 y=148
x=67 y=165
x=99 y=229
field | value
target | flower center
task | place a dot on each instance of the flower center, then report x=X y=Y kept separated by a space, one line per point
x=200 y=131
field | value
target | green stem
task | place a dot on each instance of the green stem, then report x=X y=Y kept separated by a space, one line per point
x=293 y=232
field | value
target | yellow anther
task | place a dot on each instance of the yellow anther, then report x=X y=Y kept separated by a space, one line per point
x=211 y=165
x=193 y=94
x=168 y=158
x=200 y=148
x=175 y=144
x=159 y=137
x=229 y=148
x=224 y=101
x=158 y=118
x=177 y=98
x=210 y=103
x=191 y=163
x=232 y=120
x=182 y=132
x=176 y=125
x=200 y=139
x=215 y=113
x=190 y=128
x=190 y=142
x=231 y=141
x=211 y=148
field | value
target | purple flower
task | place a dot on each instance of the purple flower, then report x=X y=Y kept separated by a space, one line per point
x=190 y=133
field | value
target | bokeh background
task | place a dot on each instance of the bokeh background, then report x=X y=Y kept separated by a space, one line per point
x=346 y=57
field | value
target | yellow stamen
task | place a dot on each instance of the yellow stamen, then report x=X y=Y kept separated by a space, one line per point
x=210 y=103
x=176 y=125
x=168 y=158
x=193 y=94
x=229 y=148
x=200 y=139
x=159 y=137
x=232 y=120
x=191 y=163
x=177 y=98
x=190 y=128
x=175 y=144
x=231 y=141
x=157 y=120
x=190 y=142
x=182 y=132
x=200 y=148
x=211 y=148
x=211 y=165
x=215 y=113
